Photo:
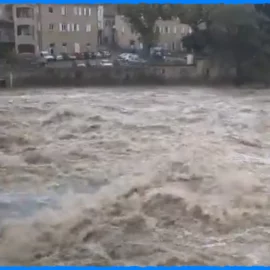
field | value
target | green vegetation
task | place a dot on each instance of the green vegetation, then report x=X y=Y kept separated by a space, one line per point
x=236 y=34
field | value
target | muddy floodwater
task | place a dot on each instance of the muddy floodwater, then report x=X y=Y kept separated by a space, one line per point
x=154 y=176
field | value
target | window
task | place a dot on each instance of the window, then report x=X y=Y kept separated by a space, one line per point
x=63 y=10
x=88 y=28
x=123 y=30
x=72 y=27
x=51 y=26
x=50 y=9
x=166 y=28
x=77 y=27
x=89 y=11
x=85 y=11
x=62 y=27
x=75 y=9
x=80 y=11
x=175 y=30
x=68 y=27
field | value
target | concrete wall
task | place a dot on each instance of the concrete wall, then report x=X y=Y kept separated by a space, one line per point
x=70 y=75
x=63 y=73
x=215 y=70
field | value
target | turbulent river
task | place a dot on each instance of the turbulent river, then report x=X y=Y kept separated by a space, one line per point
x=155 y=176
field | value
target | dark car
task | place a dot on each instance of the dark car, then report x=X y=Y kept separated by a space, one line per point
x=90 y=55
x=31 y=59
x=80 y=56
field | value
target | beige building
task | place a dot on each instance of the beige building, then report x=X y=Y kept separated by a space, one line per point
x=108 y=37
x=59 y=28
x=171 y=33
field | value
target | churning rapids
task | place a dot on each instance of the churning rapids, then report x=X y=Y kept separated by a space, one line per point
x=157 y=176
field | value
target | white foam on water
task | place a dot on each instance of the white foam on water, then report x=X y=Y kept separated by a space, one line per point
x=131 y=177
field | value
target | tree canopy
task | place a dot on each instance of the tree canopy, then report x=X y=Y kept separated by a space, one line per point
x=238 y=34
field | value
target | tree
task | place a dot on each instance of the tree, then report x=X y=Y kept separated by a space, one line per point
x=233 y=34
x=236 y=34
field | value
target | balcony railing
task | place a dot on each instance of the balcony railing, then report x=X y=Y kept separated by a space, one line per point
x=25 y=12
x=25 y=30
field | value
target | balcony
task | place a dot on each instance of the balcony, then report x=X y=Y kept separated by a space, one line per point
x=24 y=15
x=25 y=34
x=24 y=12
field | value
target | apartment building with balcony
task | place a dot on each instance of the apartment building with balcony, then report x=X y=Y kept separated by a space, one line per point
x=25 y=28
x=170 y=32
x=55 y=28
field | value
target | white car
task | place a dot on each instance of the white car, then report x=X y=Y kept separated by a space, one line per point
x=106 y=63
x=81 y=65
x=59 y=57
x=123 y=56
x=47 y=56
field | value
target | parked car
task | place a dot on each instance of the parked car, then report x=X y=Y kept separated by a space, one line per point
x=80 y=56
x=106 y=63
x=122 y=56
x=65 y=56
x=98 y=55
x=46 y=55
x=80 y=63
x=30 y=58
x=105 y=54
x=72 y=56
x=137 y=60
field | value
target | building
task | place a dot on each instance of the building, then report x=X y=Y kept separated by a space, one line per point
x=170 y=32
x=7 y=41
x=55 y=28
x=110 y=12
x=69 y=28
x=25 y=28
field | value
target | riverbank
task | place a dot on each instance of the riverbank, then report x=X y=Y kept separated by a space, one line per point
x=57 y=75
x=68 y=74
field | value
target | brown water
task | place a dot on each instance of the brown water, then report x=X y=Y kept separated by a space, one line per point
x=161 y=176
